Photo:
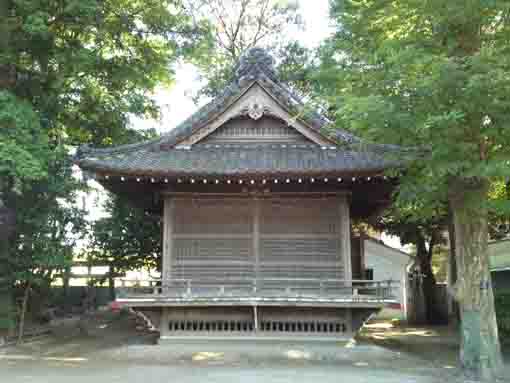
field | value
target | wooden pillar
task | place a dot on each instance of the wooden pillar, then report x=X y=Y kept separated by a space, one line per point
x=164 y=323
x=256 y=239
x=349 y=326
x=168 y=228
x=255 y=318
x=345 y=238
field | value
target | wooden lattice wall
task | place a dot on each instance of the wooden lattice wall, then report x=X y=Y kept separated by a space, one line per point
x=237 y=238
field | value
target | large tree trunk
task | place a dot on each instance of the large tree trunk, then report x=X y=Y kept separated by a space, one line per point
x=424 y=257
x=453 y=309
x=480 y=353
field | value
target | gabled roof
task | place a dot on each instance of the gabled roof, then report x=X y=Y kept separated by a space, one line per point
x=175 y=153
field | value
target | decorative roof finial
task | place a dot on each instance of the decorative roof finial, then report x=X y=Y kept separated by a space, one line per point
x=253 y=61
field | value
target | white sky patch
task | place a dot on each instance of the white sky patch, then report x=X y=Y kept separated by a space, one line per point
x=394 y=241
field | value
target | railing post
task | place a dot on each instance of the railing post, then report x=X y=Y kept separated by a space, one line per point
x=321 y=288
x=188 y=286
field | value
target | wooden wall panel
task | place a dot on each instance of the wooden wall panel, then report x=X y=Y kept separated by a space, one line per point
x=265 y=238
x=212 y=258
x=300 y=216
x=216 y=217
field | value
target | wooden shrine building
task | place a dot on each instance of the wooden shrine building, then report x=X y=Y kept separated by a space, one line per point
x=256 y=197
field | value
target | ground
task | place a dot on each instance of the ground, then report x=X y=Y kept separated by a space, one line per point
x=109 y=348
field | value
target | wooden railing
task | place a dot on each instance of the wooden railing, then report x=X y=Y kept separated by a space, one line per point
x=267 y=287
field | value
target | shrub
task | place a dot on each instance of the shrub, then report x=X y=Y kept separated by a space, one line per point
x=502 y=301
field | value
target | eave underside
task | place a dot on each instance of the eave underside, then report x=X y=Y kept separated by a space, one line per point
x=368 y=195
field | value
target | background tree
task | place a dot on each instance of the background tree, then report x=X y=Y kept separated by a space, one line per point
x=499 y=216
x=435 y=74
x=128 y=239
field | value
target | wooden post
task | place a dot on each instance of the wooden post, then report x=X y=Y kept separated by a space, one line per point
x=348 y=321
x=164 y=325
x=168 y=229
x=256 y=238
x=345 y=239
x=255 y=319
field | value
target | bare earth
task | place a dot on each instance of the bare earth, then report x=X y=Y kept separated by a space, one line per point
x=107 y=348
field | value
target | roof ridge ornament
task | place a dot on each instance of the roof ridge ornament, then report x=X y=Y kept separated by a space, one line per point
x=252 y=62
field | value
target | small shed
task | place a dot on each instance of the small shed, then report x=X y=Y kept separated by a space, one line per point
x=382 y=263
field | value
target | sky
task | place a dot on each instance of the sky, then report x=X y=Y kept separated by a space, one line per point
x=176 y=103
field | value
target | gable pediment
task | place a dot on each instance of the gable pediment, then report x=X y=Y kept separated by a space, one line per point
x=263 y=130
x=255 y=116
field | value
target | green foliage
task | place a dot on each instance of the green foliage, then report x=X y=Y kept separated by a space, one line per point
x=128 y=239
x=430 y=74
x=502 y=302
x=49 y=224
x=85 y=66
x=240 y=25
x=23 y=145
x=6 y=307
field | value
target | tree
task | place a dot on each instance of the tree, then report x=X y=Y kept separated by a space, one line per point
x=24 y=154
x=434 y=75
x=49 y=224
x=240 y=25
x=85 y=66
x=73 y=73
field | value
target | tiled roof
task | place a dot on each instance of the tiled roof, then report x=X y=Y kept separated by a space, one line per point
x=238 y=160
x=159 y=156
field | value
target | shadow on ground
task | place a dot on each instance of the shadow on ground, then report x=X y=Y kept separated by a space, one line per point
x=112 y=346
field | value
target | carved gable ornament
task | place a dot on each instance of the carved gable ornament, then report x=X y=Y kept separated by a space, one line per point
x=256 y=110
x=255 y=103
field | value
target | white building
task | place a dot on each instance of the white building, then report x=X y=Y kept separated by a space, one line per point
x=383 y=262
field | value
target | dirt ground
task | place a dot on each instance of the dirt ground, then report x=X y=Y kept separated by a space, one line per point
x=109 y=348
